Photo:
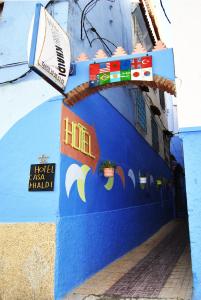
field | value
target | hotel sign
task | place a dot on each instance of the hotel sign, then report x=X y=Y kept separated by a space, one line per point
x=78 y=139
x=42 y=177
x=49 y=50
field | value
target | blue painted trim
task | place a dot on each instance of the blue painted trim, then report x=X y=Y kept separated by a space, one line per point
x=161 y=59
x=189 y=129
x=35 y=34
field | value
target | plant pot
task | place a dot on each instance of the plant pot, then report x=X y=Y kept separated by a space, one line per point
x=159 y=182
x=143 y=180
x=108 y=172
x=142 y=186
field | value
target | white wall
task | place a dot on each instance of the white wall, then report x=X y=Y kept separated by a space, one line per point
x=111 y=19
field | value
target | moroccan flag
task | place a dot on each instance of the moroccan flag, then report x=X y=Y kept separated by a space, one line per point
x=114 y=66
x=104 y=78
x=125 y=75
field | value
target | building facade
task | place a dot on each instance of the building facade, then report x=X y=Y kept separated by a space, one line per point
x=57 y=232
x=188 y=79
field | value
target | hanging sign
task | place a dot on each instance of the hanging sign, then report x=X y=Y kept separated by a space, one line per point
x=78 y=139
x=139 y=68
x=42 y=177
x=49 y=50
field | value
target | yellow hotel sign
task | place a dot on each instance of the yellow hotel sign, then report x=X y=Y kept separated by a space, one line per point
x=78 y=139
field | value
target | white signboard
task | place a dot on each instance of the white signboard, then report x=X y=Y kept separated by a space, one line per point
x=49 y=50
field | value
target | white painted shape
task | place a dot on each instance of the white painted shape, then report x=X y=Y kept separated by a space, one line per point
x=151 y=178
x=73 y=174
x=132 y=176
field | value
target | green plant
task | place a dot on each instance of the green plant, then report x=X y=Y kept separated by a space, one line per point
x=159 y=181
x=107 y=164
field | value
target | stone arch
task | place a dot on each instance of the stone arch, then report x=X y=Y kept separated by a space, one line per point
x=84 y=90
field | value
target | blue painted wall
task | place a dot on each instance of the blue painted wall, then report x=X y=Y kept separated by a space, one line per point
x=36 y=134
x=176 y=148
x=92 y=234
x=192 y=148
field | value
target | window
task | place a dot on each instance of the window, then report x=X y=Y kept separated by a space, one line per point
x=166 y=141
x=154 y=128
x=140 y=110
x=140 y=30
x=162 y=99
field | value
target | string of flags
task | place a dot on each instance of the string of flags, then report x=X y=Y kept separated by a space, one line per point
x=121 y=70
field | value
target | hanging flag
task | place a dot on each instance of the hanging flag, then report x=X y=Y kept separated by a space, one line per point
x=136 y=63
x=125 y=75
x=94 y=69
x=104 y=67
x=125 y=64
x=114 y=76
x=146 y=62
x=114 y=66
x=104 y=78
x=147 y=68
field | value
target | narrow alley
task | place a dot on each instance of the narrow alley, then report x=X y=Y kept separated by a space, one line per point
x=160 y=268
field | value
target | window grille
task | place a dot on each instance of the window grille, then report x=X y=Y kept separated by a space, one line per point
x=162 y=99
x=155 y=141
x=140 y=110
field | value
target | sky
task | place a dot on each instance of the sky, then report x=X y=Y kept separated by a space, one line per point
x=184 y=36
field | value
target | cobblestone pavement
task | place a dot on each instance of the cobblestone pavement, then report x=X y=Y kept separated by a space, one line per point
x=160 y=268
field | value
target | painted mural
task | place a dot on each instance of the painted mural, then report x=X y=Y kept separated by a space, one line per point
x=107 y=216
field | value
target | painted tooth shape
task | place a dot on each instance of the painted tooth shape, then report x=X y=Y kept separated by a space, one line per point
x=81 y=182
x=120 y=172
x=73 y=174
x=132 y=176
x=109 y=184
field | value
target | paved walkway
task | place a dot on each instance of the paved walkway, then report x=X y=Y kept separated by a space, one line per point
x=160 y=268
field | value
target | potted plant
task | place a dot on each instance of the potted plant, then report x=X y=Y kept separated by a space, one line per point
x=107 y=168
x=159 y=182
